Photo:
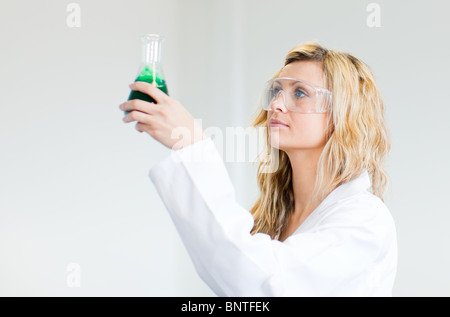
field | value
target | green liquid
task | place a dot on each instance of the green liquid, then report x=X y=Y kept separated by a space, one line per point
x=147 y=76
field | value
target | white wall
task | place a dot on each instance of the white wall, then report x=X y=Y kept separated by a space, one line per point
x=73 y=178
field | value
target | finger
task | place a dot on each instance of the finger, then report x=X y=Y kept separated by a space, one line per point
x=150 y=90
x=137 y=116
x=139 y=127
x=139 y=105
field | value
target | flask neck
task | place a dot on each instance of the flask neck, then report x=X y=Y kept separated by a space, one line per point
x=151 y=48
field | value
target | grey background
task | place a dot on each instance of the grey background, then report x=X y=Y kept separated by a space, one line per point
x=74 y=184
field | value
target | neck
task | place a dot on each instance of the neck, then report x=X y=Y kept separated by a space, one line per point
x=304 y=170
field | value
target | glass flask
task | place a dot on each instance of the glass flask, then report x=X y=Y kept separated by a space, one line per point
x=150 y=69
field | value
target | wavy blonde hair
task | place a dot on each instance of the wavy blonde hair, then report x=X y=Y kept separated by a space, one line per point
x=357 y=139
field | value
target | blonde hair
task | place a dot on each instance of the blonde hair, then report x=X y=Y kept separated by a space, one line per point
x=357 y=139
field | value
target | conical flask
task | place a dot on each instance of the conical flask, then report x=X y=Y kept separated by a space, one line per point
x=150 y=69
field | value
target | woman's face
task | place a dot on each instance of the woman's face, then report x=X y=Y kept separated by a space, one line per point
x=304 y=130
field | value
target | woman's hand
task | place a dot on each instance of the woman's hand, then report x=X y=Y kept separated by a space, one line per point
x=167 y=121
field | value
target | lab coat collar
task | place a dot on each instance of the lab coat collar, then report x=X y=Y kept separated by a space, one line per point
x=358 y=184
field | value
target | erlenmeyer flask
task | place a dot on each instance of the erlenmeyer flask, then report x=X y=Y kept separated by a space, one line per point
x=150 y=69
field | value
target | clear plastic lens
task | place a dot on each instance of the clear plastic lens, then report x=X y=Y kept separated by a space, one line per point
x=297 y=95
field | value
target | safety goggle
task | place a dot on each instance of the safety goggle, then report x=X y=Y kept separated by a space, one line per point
x=297 y=95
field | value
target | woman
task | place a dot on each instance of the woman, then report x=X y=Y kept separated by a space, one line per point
x=317 y=228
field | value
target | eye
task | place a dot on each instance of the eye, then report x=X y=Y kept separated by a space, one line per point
x=274 y=91
x=299 y=93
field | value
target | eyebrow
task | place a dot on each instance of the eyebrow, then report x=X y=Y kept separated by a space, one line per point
x=292 y=83
x=301 y=80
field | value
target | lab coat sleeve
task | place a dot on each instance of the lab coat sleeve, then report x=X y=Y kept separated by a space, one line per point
x=196 y=189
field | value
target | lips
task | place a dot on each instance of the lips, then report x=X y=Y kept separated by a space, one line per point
x=277 y=123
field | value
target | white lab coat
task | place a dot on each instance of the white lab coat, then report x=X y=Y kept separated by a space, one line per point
x=346 y=247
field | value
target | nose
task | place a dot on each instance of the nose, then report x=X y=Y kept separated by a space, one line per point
x=279 y=103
